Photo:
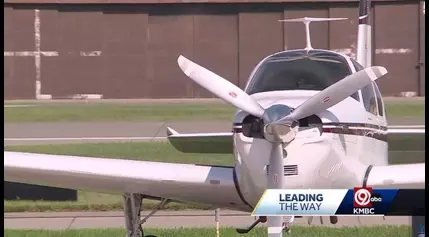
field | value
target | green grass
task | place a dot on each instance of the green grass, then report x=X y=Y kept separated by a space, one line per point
x=297 y=231
x=156 y=112
x=116 y=112
x=91 y=201
x=405 y=110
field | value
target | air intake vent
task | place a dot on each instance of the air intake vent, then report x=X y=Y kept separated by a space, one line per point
x=289 y=170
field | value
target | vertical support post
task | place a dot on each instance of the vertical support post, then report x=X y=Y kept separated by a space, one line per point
x=421 y=63
x=217 y=215
x=37 y=57
x=135 y=209
x=132 y=207
x=128 y=215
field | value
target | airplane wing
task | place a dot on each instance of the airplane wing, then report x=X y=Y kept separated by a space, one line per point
x=213 y=185
x=410 y=138
x=397 y=176
x=406 y=129
x=219 y=143
x=399 y=138
x=406 y=138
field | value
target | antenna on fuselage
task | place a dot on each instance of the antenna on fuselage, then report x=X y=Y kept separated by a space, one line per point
x=307 y=21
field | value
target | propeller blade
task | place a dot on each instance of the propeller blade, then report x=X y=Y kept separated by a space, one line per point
x=221 y=87
x=275 y=226
x=275 y=181
x=275 y=168
x=335 y=93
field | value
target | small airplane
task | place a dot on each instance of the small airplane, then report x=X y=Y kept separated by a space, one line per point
x=307 y=119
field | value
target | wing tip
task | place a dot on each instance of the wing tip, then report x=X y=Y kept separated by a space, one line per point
x=171 y=132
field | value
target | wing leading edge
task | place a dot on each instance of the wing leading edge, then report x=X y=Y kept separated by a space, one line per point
x=183 y=182
x=219 y=143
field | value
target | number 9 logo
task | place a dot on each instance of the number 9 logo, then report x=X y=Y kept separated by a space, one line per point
x=362 y=197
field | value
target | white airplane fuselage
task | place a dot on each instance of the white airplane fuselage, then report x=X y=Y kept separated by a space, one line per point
x=348 y=138
x=312 y=154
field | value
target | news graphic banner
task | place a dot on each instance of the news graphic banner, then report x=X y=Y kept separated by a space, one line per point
x=341 y=202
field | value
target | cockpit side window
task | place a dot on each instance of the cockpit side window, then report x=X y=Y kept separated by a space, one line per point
x=368 y=95
x=369 y=99
x=357 y=66
x=379 y=100
x=299 y=71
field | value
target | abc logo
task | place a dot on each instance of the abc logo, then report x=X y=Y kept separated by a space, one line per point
x=363 y=197
x=376 y=198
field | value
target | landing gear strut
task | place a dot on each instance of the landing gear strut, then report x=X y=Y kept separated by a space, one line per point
x=132 y=208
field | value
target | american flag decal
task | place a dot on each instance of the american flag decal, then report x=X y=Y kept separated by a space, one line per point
x=289 y=170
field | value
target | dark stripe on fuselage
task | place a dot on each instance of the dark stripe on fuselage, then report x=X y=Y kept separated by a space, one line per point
x=235 y=179
x=357 y=129
x=365 y=178
x=358 y=125
x=237 y=188
x=379 y=135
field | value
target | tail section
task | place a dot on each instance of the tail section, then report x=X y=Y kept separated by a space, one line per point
x=364 y=43
x=307 y=21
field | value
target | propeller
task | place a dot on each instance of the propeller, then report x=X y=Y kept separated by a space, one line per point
x=280 y=121
x=221 y=87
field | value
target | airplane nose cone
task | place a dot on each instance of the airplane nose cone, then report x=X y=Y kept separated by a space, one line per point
x=276 y=112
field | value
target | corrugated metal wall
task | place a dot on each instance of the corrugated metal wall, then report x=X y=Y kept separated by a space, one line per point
x=130 y=51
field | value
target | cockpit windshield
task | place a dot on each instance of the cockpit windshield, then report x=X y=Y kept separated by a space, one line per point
x=299 y=70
